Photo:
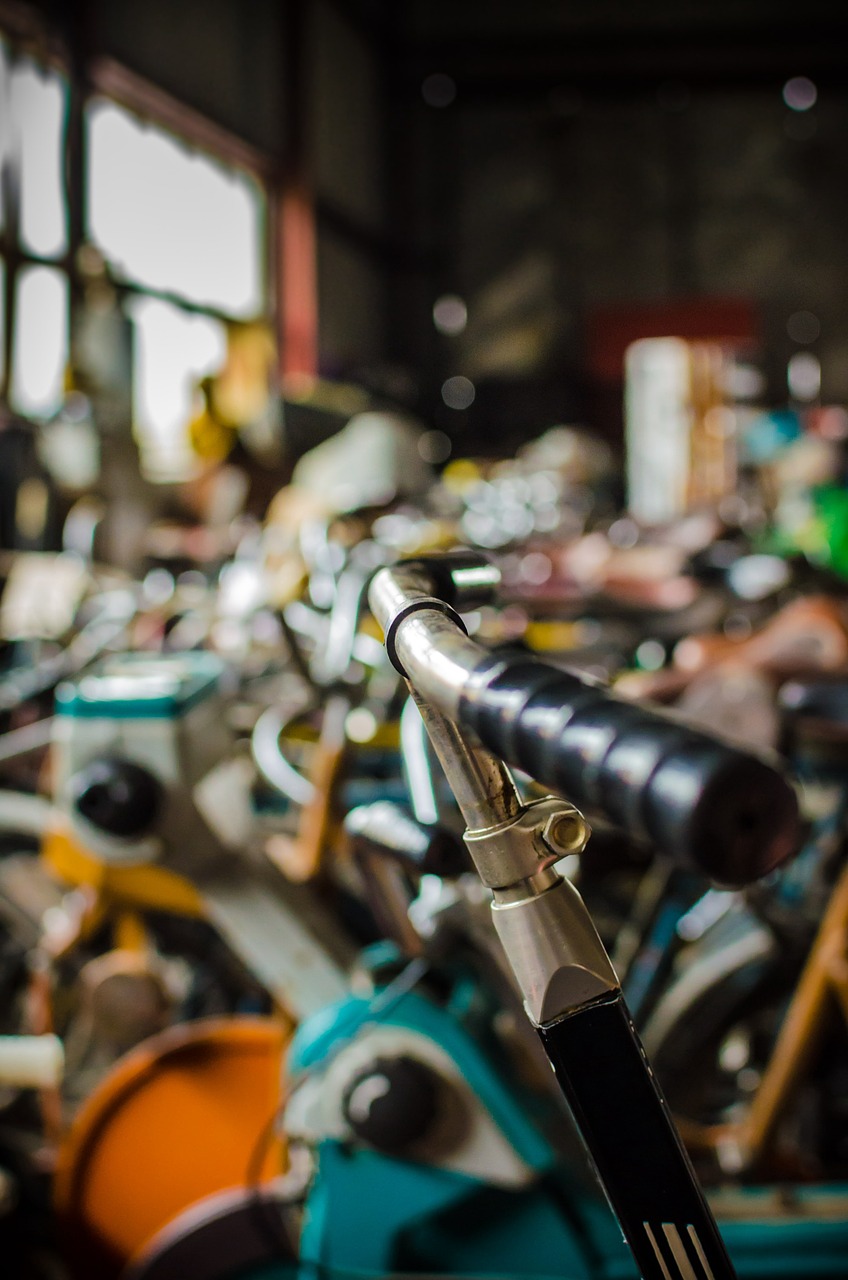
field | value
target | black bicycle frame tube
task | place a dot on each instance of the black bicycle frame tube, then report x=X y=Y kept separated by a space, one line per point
x=634 y=1145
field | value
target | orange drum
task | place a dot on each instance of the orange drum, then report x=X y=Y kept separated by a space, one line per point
x=188 y=1113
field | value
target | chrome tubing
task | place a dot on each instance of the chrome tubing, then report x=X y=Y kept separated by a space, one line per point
x=705 y=803
x=570 y=989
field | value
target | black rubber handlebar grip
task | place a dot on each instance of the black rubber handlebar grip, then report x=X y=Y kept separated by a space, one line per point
x=706 y=804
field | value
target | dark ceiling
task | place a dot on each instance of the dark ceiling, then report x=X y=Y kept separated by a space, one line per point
x=505 y=49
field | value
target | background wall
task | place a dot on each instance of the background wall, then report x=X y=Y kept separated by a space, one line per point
x=590 y=152
x=218 y=56
x=606 y=153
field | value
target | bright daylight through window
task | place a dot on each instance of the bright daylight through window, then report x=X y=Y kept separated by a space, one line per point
x=33 y=102
x=171 y=221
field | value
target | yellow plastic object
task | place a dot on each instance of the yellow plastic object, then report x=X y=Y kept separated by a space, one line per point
x=211 y=440
x=386 y=736
x=145 y=887
x=129 y=933
x=460 y=475
x=188 y=1113
x=553 y=636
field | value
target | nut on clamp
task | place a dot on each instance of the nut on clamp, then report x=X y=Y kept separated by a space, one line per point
x=517 y=850
x=558 y=959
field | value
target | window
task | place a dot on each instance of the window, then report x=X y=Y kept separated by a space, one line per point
x=172 y=351
x=40 y=347
x=5 y=126
x=170 y=219
x=175 y=226
x=182 y=235
x=33 y=226
x=38 y=105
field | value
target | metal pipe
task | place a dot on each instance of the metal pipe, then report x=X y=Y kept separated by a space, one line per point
x=483 y=786
x=272 y=763
x=436 y=656
x=30 y=737
x=418 y=764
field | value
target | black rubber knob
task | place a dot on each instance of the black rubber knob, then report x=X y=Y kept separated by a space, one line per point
x=392 y=1103
x=118 y=796
x=704 y=803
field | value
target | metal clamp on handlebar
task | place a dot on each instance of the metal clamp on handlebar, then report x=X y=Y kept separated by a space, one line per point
x=542 y=833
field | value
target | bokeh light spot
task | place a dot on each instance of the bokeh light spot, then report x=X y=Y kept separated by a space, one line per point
x=803 y=376
x=438 y=90
x=450 y=314
x=434 y=447
x=800 y=94
x=803 y=327
x=458 y=392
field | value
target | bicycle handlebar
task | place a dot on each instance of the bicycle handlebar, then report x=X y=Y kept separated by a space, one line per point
x=703 y=802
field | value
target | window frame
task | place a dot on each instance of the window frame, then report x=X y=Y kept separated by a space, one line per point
x=26 y=35
x=152 y=105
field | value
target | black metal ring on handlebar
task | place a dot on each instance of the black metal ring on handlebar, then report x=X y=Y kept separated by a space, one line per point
x=422 y=602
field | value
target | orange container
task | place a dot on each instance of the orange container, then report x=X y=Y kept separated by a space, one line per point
x=189 y=1112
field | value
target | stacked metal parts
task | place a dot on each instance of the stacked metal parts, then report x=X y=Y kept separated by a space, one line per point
x=289 y=952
